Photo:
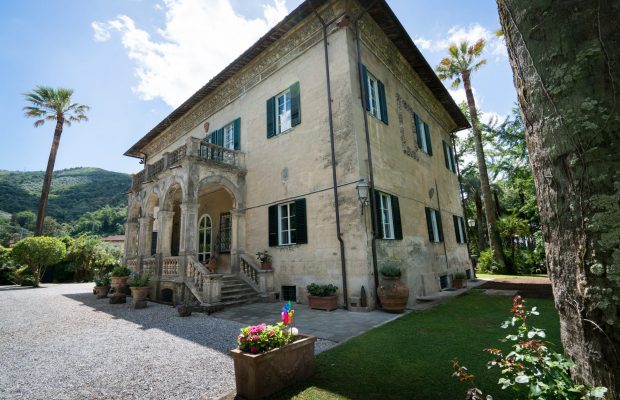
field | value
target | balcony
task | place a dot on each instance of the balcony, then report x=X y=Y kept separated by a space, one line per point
x=195 y=150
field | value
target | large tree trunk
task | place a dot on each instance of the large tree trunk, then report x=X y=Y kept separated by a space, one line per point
x=565 y=57
x=485 y=187
x=482 y=240
x=47 y=181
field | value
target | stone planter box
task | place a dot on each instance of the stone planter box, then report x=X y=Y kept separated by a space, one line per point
x=139 y=295
x=259 y=375
x=327 y=303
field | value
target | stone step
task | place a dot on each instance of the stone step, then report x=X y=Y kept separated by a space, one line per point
x=238 y=296
x=228 y=291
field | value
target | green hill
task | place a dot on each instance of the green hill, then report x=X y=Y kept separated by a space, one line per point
x=74 y=192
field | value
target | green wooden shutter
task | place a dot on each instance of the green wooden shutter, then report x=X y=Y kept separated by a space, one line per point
x=237 y=139
x=271 y=117
x=398 y=227
x=453 y=158
x=301 y=228
x=427 y=132
x=418 y=131
x=439 y=225
x=273 y=225
x=429 y=224
x=457 y=232
x=295 y=104
x=365 y=87
x=379 y=214
x=382 y=102
x=212 y=137
x=446 y=154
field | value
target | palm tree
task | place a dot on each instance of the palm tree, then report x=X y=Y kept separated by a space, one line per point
x=463 y=60
x=48 y=104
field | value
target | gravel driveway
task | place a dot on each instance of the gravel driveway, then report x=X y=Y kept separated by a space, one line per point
x=59 y=342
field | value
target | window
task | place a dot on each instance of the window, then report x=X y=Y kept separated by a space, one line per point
x=225 y=232
x=374 y=97
x=388 y=216
x=283 y=111
x=448 y=153
x=433 y=222
x=459 y=229
x=424 y=135
x=229 y=136
x=204 y=238
x=443 y=282
x=287 y=223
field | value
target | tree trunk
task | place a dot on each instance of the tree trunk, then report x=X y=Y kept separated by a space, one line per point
x=482 y=240
x=485 y=187
x=47 y=181
x=565 y=59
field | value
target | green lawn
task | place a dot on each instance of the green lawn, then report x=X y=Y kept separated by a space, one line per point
x=489 y=276
x=410 y=358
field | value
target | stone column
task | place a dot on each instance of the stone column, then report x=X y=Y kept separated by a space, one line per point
x=164 y=237
x=146 y=235
x=131 y=242
x=237 y=238
x=189 y=230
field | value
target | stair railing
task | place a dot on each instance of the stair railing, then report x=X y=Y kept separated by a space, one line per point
x=207 y=287
x=251 y=272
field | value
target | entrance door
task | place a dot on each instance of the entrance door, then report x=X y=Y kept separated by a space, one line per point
x=205 y=230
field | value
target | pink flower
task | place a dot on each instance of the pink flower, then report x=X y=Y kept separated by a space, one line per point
x=254 y=349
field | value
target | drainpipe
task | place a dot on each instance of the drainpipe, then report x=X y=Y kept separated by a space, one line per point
x=465 y=214
x=371 y=183
x=445 y=250
x=333 y=159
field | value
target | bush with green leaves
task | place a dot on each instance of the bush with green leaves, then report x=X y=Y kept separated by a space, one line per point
x=7 y=266
x=390 y=269
x=120 y=271
x=38 y=252
x=460 y=275
x=22 y=276
x=140 y=279
x=487 y=263
x=530 y=369
x=315 y=289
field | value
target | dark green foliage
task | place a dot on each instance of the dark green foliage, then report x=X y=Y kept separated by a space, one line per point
x=74 y=192
x=38 y=252
x=120 y=271
x=390 y=268
x=7 y=266
x=105 y=221
x=321 y=290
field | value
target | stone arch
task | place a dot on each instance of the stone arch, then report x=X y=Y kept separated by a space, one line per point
x=225 y=183
x=174 y=193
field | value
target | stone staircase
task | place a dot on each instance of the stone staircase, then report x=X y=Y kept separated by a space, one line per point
x=236 y=292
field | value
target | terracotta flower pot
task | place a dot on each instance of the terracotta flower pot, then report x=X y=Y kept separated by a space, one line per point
x=259 y=375
x=102 y=291
x=459 y=283
x=393 y=294
x=139 y=295
x=119 y=284
x=265 y=265
x=327 y=303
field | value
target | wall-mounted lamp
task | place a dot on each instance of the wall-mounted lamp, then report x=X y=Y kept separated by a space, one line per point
x=362 y=191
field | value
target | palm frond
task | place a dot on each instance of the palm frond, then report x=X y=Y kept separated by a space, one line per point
x=478 y=47
x=456 y=82
x=50 y=104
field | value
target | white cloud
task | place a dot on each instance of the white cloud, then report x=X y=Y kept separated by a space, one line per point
x=457 y=34
x=198 y=40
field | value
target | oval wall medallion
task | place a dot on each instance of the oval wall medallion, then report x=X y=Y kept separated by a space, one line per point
x=206 y=126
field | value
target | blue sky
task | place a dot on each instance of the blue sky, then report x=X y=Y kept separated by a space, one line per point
x=132 y=61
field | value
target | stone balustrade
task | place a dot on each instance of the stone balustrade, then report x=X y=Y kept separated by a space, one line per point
x=252 y=273
x=170 y=268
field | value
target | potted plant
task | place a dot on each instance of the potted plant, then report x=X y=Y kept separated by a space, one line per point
x=459 y=280
x=393 y=293
x=118 y=279
x=272 y=357
x=264 y=258
x=184 y=309
x=139 y=285
x=322 y=297
x=102 y=286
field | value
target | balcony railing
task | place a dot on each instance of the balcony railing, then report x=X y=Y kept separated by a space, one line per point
x=194 y=149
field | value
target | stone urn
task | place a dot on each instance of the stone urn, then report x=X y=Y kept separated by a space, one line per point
x=139 y=294
x=259 y=375
x=393 y=294
x=119 y=284
x=101 y=292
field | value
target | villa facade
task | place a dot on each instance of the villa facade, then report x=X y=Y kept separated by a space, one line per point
x=262 y=158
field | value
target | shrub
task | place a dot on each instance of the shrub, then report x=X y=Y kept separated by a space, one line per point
x=22 y=276
x=120 y=271
x=487 y=264
x=38 y=252
x=459 y=275
x=261 y=338
x=390 y=268
x=103 y=280
x=321 y=290
x=7 y=266
x=530 y=369
x=140 y=280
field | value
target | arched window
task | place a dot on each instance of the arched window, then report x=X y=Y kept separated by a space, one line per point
x=204 y=238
